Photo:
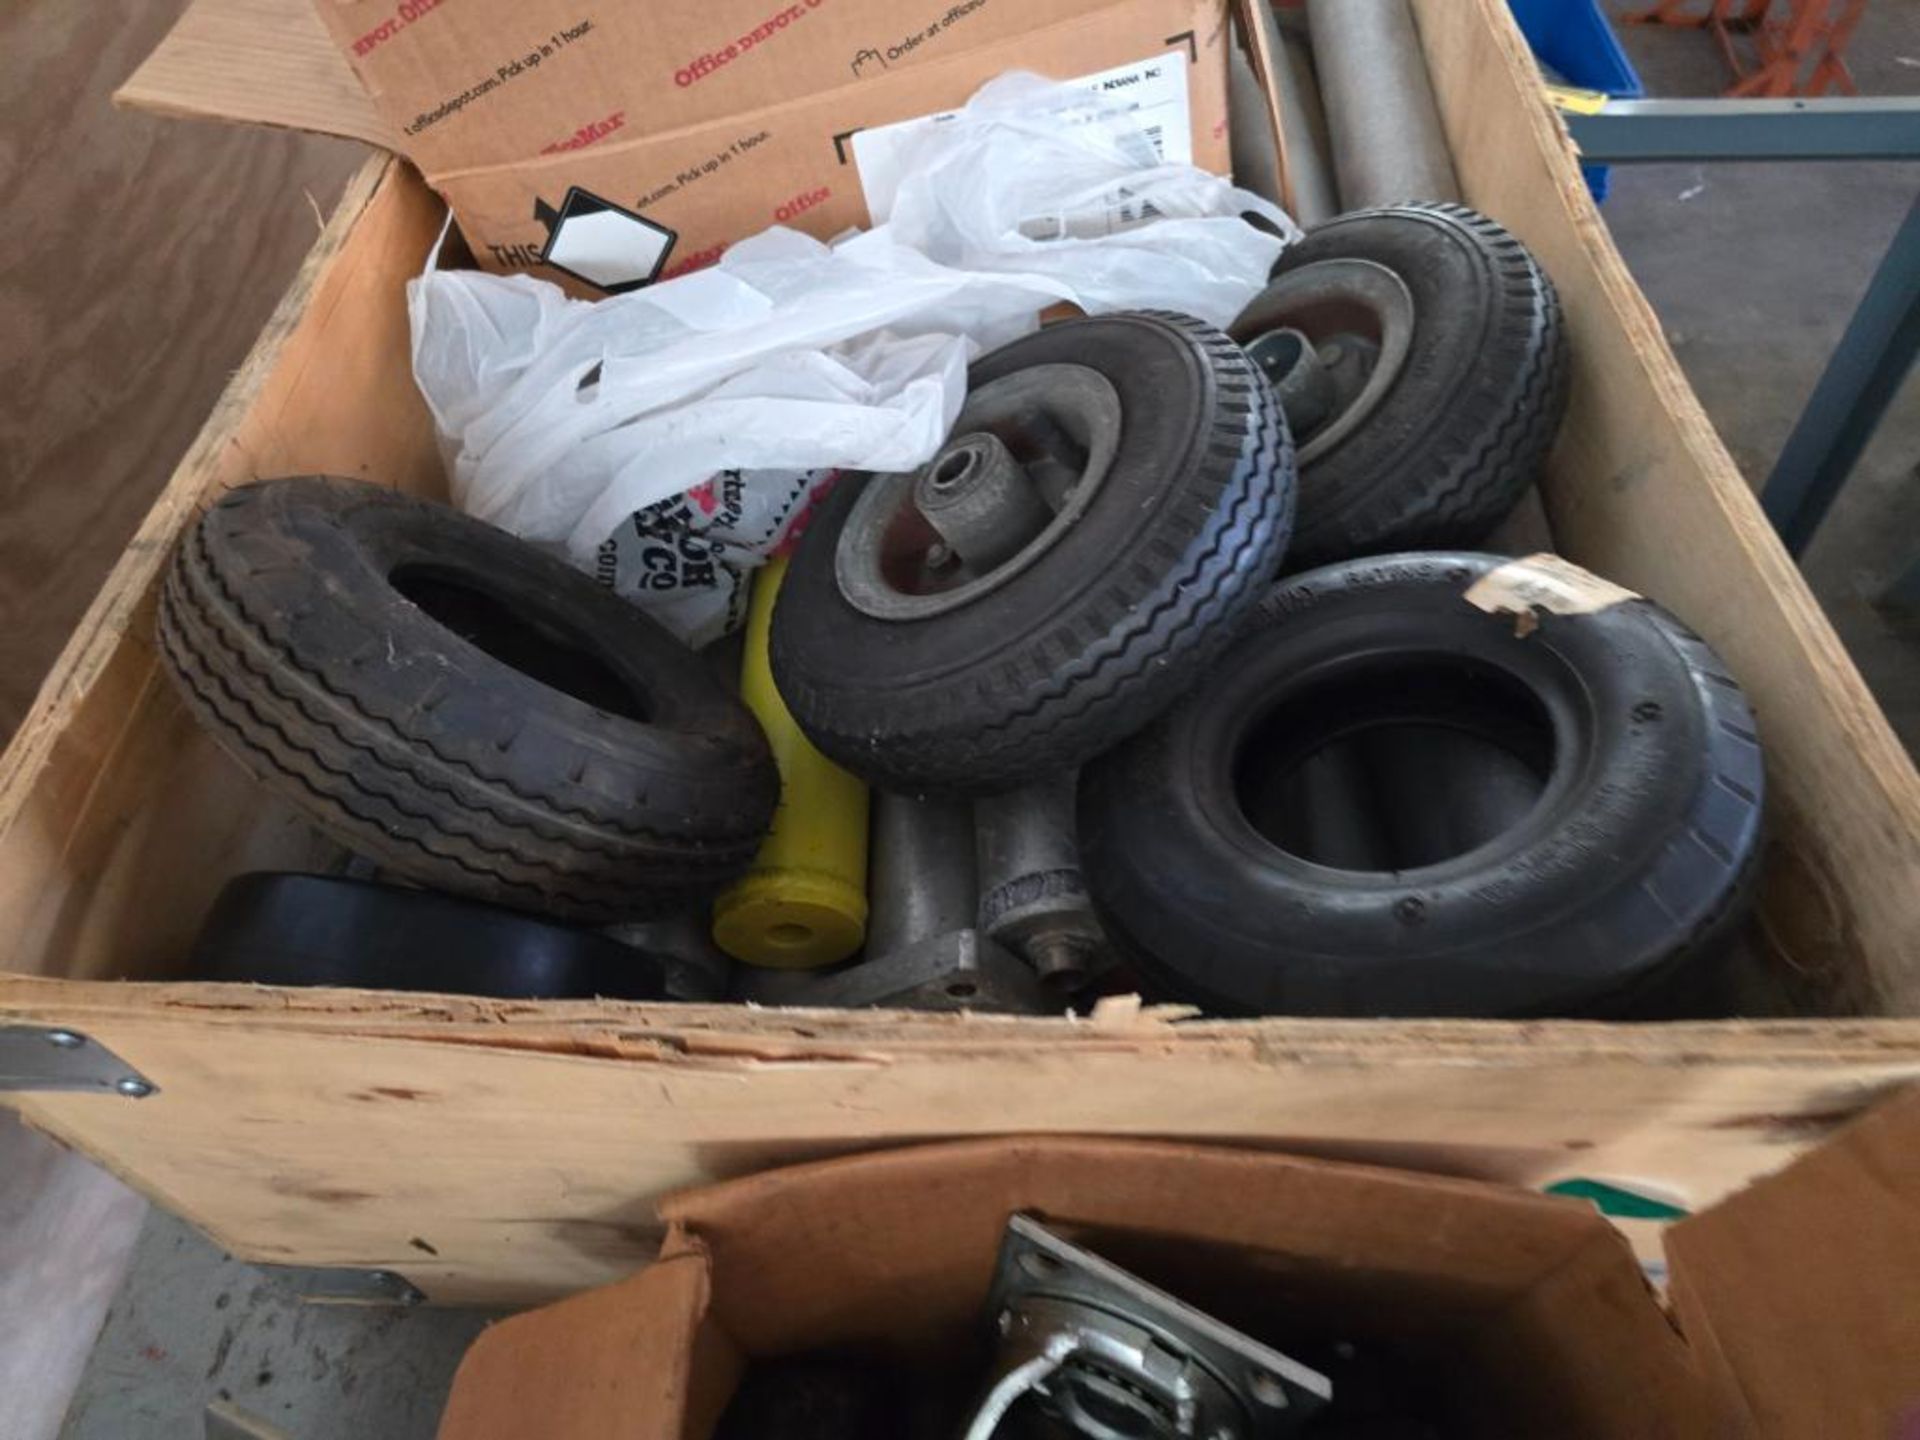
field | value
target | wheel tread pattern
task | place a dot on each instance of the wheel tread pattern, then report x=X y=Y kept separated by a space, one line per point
x=477 y=817
x=1132 y=660
x=1655 y=912
x=1488 y=449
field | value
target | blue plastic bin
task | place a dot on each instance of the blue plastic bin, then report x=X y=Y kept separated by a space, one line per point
x=1576 y=38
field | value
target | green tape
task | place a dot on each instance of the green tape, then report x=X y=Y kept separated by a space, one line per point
x=1620 y=1204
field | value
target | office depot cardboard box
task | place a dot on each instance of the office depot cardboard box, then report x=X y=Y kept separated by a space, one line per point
x=1527 y=1314
x=606 y=146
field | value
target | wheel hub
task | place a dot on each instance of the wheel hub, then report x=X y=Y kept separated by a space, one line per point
x=1029 y=451
x=1331 y=338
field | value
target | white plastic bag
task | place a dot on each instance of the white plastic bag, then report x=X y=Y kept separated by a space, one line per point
x=580 y=425
x=1039 y=179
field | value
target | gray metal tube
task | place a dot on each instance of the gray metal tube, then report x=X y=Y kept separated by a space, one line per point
x=1033 y=898
x=1388 y=143
x=922 y=874
x=1255 y=157
x=1256 y=162
x=1304 y=118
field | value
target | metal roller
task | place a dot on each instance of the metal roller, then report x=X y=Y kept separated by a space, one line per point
x=1388 y=143
x=923 y=879
x=1309 y=170
x=1033 y=898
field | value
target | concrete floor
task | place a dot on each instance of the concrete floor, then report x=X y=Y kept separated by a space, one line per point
x=67 y=1230
x=191 y=1327
x=1754 y=270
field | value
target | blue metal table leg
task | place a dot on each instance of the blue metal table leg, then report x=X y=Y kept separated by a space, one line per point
x=1866 y=370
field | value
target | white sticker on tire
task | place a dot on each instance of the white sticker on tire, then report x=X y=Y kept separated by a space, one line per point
x=1543 y=582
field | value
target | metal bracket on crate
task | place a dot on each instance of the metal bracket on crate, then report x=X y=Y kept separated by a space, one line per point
x=343 y=1285
x=43 y=1057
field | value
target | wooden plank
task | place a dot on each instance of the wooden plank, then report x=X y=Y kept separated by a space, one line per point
x=523 y=1146
x=1641 y=490
x=118 y=820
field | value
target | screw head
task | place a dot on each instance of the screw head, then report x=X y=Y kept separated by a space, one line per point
x=133 y=1087
x=65 y=1039
x=1268 y=1390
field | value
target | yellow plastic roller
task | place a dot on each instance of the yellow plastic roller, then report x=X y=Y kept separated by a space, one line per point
x=804 y=902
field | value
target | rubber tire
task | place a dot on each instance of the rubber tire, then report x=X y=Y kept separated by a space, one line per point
x=282 y=627
x=272 y=928
x=1107 y=628
x=1467 y=424
x=1612 y=896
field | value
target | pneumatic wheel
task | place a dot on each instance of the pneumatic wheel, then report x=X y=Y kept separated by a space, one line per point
x=468 y=710
x=1386 y=800
x=1115 y=497
x=1421 y=356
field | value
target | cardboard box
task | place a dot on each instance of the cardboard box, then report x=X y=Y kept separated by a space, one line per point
x=605 y=148
x=1529 y=1311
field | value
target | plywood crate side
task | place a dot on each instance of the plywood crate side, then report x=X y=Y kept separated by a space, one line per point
x=1642 y=490
x=524 y=1144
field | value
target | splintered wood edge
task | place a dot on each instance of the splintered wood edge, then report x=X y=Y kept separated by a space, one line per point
x=703 y=1033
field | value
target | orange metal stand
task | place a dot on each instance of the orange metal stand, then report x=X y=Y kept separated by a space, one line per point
x=1796 y=48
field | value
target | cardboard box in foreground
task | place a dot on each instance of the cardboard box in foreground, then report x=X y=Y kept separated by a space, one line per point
x=1528 y=1311
x=608 y=147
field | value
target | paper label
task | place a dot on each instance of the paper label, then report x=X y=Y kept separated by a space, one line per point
x=1543 y=582
x=1146 y=97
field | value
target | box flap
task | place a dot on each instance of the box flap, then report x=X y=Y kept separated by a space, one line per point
x=268 y=62
x=494 y=81
x=1802 y=1292
x=624 y=1362
x=872 y=1214
x=274 y=62
x=800 y=162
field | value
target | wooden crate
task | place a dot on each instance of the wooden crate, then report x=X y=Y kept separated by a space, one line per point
x=509 y=1151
